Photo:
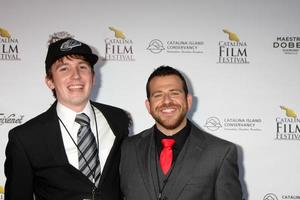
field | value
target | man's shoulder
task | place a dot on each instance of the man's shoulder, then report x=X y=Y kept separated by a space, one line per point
x=108 y=109
x=34 y=124
x=139 y=136
x=209 y=137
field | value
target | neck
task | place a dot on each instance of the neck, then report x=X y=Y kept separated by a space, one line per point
x=76 y=108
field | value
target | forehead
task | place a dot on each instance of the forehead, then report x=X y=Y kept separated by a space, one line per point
x=168 y=82
x=70 y=59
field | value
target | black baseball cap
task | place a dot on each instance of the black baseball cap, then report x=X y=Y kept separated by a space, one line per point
x=68 y=46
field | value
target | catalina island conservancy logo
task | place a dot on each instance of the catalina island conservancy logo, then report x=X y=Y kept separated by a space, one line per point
x=233 y=51
x=176 y=46
x=270 y=196
x=288 y=127
x=213 y=123
x=119 y=48
x=156 y=46
x=233 y=124
x=9 y=46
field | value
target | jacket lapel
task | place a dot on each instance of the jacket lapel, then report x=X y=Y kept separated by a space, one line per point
x=185 y=164
x=53 y=136
x=116 y=145
x=146 y=156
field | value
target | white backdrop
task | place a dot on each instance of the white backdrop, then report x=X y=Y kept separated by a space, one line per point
x=238 y=86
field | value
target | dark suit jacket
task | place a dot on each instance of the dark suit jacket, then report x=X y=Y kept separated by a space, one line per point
x=205 y=169
x=36 y=161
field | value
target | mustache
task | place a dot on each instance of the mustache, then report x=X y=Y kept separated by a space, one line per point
x=168 y=105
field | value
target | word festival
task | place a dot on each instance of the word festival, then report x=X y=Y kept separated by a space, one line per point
x=287 y=129
x=233 y=52
x=9 y=49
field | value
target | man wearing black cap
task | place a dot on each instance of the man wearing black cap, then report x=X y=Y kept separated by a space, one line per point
x=71 y=151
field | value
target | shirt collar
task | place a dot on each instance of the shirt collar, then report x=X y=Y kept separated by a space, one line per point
x=180 y=137
x=68 y=116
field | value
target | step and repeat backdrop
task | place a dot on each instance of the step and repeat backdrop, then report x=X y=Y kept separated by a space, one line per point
x=240 y=58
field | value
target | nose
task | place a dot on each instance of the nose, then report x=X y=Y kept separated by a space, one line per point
x=167 y=98
x=75 y=73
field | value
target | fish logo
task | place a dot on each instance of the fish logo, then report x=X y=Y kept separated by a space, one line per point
x=231 y=35
x=289 y=112
x=4 y=33
x=118 y=34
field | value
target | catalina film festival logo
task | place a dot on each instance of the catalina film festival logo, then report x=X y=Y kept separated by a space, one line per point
x=9 y=46
x=233 y=50
x=288 y=44
x=288 y=127
x=156 y=46
x=234 y=124
x=118 y=48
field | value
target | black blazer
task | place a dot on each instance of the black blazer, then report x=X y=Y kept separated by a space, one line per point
x=36 y=161
x=206 y=169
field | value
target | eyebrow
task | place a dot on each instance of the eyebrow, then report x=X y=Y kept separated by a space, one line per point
x=171 y=90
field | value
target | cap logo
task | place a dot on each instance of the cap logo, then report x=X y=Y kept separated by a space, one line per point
x=69 y=44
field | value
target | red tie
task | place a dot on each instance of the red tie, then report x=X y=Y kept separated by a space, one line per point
x=166 y=155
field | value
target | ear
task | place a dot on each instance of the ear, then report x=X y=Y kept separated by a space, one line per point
x=189 y=99
x=147 y=103
x=49 y=83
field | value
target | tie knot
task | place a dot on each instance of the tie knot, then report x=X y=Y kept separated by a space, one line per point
x=82 y=119
x=167 y=142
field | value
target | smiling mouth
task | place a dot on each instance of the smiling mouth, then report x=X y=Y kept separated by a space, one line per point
x=168 y=110
x=75 y=87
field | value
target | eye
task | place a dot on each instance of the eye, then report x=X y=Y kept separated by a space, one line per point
x=175 y=93
x=62 y=68
x=84 y=66
x=157 y=95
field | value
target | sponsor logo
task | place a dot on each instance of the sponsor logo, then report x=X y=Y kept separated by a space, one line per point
x=233 y=124
x=213 y=123
x=288 y=127
x=9 y=46
x=156 y=46
x=288 y=44
x=58 y=36
x=11 y=119
x=175 y=46
x=290 y=196
x=233 y=50
x=118 y=48
x=270 y=196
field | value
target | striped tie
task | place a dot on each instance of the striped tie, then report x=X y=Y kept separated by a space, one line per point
x=88 y=158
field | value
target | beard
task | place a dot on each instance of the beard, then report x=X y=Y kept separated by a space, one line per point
x=170 y=122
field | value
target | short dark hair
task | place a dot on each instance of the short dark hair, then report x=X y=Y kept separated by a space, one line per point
x=166 y=71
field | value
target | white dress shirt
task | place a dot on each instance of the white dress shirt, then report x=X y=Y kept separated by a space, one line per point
x=100 y=128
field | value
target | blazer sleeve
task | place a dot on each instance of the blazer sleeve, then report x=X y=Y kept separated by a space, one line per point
x=227 y=184
x=18 y=171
